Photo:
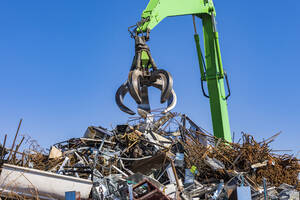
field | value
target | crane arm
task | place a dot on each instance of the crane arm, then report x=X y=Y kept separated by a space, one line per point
x=157 y=10
x=210 y=64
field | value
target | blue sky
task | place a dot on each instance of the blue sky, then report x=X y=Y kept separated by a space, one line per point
x=62 y=61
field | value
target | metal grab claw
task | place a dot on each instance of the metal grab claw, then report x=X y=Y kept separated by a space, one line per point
x=137 y=79
x=141 y=77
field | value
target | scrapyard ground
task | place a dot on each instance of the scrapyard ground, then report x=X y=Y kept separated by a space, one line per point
x=160 y=157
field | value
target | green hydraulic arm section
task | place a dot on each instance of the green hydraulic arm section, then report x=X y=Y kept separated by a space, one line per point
x=211 y=64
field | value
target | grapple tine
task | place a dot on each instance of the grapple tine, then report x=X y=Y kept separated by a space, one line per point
x=119 y=97
x=133 y=85
x=171 y=102
x=145 y=106
x=167 y=83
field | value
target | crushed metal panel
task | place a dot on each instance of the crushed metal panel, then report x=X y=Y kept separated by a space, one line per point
x=244 y=193
x=145 y=166
x=55 y=153
x=46 y=185
x=171 y=174
x=214 y=163
x=96 y=132
x=164 y=141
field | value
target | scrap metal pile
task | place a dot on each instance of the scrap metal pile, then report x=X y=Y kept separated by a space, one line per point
x=163 y=157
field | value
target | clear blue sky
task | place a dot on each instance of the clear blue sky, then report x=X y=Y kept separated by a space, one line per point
x=62 y=61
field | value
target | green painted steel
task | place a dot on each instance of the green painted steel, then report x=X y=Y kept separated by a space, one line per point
x=212 y=69
x=200 y=56
x=215 y=81
x=157 y=10
x=145 y=59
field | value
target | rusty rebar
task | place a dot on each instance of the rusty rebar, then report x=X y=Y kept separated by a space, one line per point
x=14 y=141
x=3 y=147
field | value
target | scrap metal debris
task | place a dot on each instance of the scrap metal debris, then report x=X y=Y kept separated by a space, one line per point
x=163 y=156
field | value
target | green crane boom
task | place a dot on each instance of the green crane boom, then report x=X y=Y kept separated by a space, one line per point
x=211 y=64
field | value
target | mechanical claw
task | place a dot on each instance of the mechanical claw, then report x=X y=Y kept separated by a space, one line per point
x=172 y=99
x=143 y=74
x=136 y=80
x=134 y=84
x=120 y=94
x=171 y=102
x=167 y=84
x=123 y=90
